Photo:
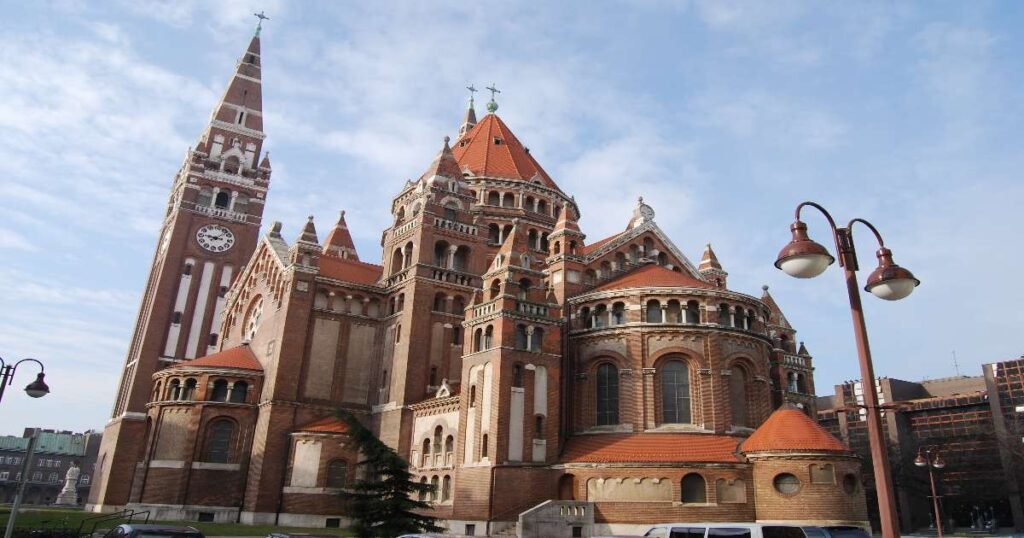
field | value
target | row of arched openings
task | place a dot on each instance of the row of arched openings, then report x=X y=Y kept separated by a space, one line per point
x=221 y=391
x=434 y=453
x=441 y=489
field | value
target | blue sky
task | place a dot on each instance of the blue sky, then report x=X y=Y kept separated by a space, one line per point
x=723 y=115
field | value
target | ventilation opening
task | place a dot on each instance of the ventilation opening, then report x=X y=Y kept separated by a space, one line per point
x=497 y=141
x=333 y=523
x=462 y=143
x=205 y=517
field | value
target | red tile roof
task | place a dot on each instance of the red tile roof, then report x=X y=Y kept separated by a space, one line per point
x=350 y=270
x=651 y=448
x=593 y=247
x=490 y=149
x=240 y=357
x=652 y=276
x=325 y=425
x=788 y=429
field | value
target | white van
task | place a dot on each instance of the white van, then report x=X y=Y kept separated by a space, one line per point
x=726 y=530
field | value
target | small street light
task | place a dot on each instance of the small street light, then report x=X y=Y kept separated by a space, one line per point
x=35 y=389
x=805 y=258
x=931 y=459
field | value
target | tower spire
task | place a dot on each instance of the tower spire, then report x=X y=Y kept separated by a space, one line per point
x=235 y=129
x=469 y=121
x=259 y=26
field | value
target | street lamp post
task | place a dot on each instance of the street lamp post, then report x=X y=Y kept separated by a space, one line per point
x=804 y=258
x=35 y=389
x=931 y=459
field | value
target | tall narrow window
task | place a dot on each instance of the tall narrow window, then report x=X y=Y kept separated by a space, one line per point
x=675 y=393
x=520 y=336
x=538 y=427
x=607 y=395
x=517 y=375
x=738 y=397
x=218 y=441
x=220 y=391
x=653 y=311
x=239 y=392
x=483 y=446
x=537 y=339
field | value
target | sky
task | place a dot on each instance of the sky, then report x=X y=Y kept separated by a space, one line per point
x=723 y=115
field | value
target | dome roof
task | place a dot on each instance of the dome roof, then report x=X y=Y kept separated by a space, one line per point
x=239 y=358
x=652 y=276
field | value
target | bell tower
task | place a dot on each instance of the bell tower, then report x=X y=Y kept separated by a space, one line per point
x=210 y=230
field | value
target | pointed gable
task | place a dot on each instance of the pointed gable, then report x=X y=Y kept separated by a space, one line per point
x=490 y=149
x=652 y=276
x=510 y=253
x=788 y=429
x=238 y=358
x=308 y=234
x=776 y=317
x=324 y=425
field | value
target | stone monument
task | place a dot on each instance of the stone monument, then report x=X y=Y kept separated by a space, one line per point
x=68 y=495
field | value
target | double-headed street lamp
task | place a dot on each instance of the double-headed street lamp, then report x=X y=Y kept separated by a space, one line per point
x=35 y=389
x=804 y=258
x=929 y=457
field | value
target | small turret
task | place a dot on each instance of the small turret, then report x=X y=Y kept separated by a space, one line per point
x=339 y=242
x=711 y=269
x=306 y=251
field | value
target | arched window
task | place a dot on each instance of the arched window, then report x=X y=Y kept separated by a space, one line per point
x=607 y=395
x=600 y=315
x=521 y=336
x=440 y=302
x=748 y=320
x=675 y=393
x=724 y=319
x=533 y=239
x=590 y=277
x=426 y=453
x=493 y=198
x=572 y=247
x=337 y=474
x=460 y=261
x=585 y=318
x=537 y=339
x=524 y=288
x=620 y=261
x=456 y=335
x=801 y=383
x=653 y=311
x=396 y=261
x=449 y=210
x=449 y=444
x=222 y=200
x=618 y=313
x=446 y=488
x=495 y=289
x=695 y=489
x=438 y=432
x=542 y=207
x=435 y=486
x=662 y=259
x=423 y=491
x=606 y=269
x=738 y=397
x=478 y=340
x=189 y=393
x=488 y=337
x=458 y=305
x=239 y=392
x=220 y=391
x=205 y=198
x=530 y=202
x=407 y=254
x=674 y=311
x=634 y=253
x=174 y=388
x=441 y=254
x=692 y=312
x=219 y=435
x=493 y=234
x=241 y=204
x=508 y=200
x=400 y=216
x=544 y=242
x=791 y=384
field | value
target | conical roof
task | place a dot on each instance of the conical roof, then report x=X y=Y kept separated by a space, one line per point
x=709 y=261
x=444 y=164
x=339 y=241
x=490 y=149
x=239 y=358
x=239 y=113
x=308 y=234
x=789 y=429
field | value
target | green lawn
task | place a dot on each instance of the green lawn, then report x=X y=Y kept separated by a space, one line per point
x=56 y=518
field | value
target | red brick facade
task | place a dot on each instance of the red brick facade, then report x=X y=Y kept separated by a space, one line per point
x=489 y=348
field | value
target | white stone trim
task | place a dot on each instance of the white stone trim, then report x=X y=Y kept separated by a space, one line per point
x=216 y=466
x=166 y=464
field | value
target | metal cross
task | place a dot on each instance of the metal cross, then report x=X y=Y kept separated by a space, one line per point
x=493 y=90
x=472 y=90
x=262 y=17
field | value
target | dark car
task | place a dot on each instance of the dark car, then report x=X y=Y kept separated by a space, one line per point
x=132 y=530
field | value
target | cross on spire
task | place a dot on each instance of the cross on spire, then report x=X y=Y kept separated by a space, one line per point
x=472 y=90
x=262 y=17
x=492 y=106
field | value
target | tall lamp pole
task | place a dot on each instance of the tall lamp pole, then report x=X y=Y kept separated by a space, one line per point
x=804 y=258
x=35 y=389
x=931 y=459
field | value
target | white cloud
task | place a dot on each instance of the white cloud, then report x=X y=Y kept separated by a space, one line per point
x=10 y=239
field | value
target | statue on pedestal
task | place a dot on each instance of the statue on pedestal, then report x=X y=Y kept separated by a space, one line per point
x=69 y=493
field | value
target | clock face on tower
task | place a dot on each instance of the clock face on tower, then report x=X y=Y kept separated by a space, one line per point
x=215 y=238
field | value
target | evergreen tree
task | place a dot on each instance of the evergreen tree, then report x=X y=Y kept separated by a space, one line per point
x=385 y=503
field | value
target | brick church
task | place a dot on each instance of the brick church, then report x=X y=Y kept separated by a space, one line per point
x=515 y=363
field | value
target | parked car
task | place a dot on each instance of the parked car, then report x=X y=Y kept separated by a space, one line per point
x=133 y=530
x=836 y=532
x=726 y=530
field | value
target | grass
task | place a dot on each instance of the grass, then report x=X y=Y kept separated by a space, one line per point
x=40 y=518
